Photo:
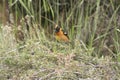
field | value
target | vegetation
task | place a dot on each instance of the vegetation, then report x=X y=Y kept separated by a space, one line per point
x=29 y=51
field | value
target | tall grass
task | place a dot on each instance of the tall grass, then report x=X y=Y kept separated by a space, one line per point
x=94 y=30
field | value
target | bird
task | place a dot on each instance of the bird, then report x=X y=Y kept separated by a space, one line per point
x=60 y=34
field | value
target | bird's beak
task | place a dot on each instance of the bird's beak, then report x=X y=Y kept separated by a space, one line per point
x=55 y=30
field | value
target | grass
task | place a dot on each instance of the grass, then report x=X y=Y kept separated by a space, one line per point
x=44 y=59
x=93 y=54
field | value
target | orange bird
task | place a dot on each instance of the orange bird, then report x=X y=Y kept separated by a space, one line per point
x=60 y=35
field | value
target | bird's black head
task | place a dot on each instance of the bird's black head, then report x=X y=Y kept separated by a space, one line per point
x=57 y=29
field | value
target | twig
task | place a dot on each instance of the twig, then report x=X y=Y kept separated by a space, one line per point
x=44 y=77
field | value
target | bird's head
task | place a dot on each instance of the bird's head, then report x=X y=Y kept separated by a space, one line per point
x=57 y=28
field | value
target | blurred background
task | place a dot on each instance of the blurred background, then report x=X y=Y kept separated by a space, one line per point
x=95 y=24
